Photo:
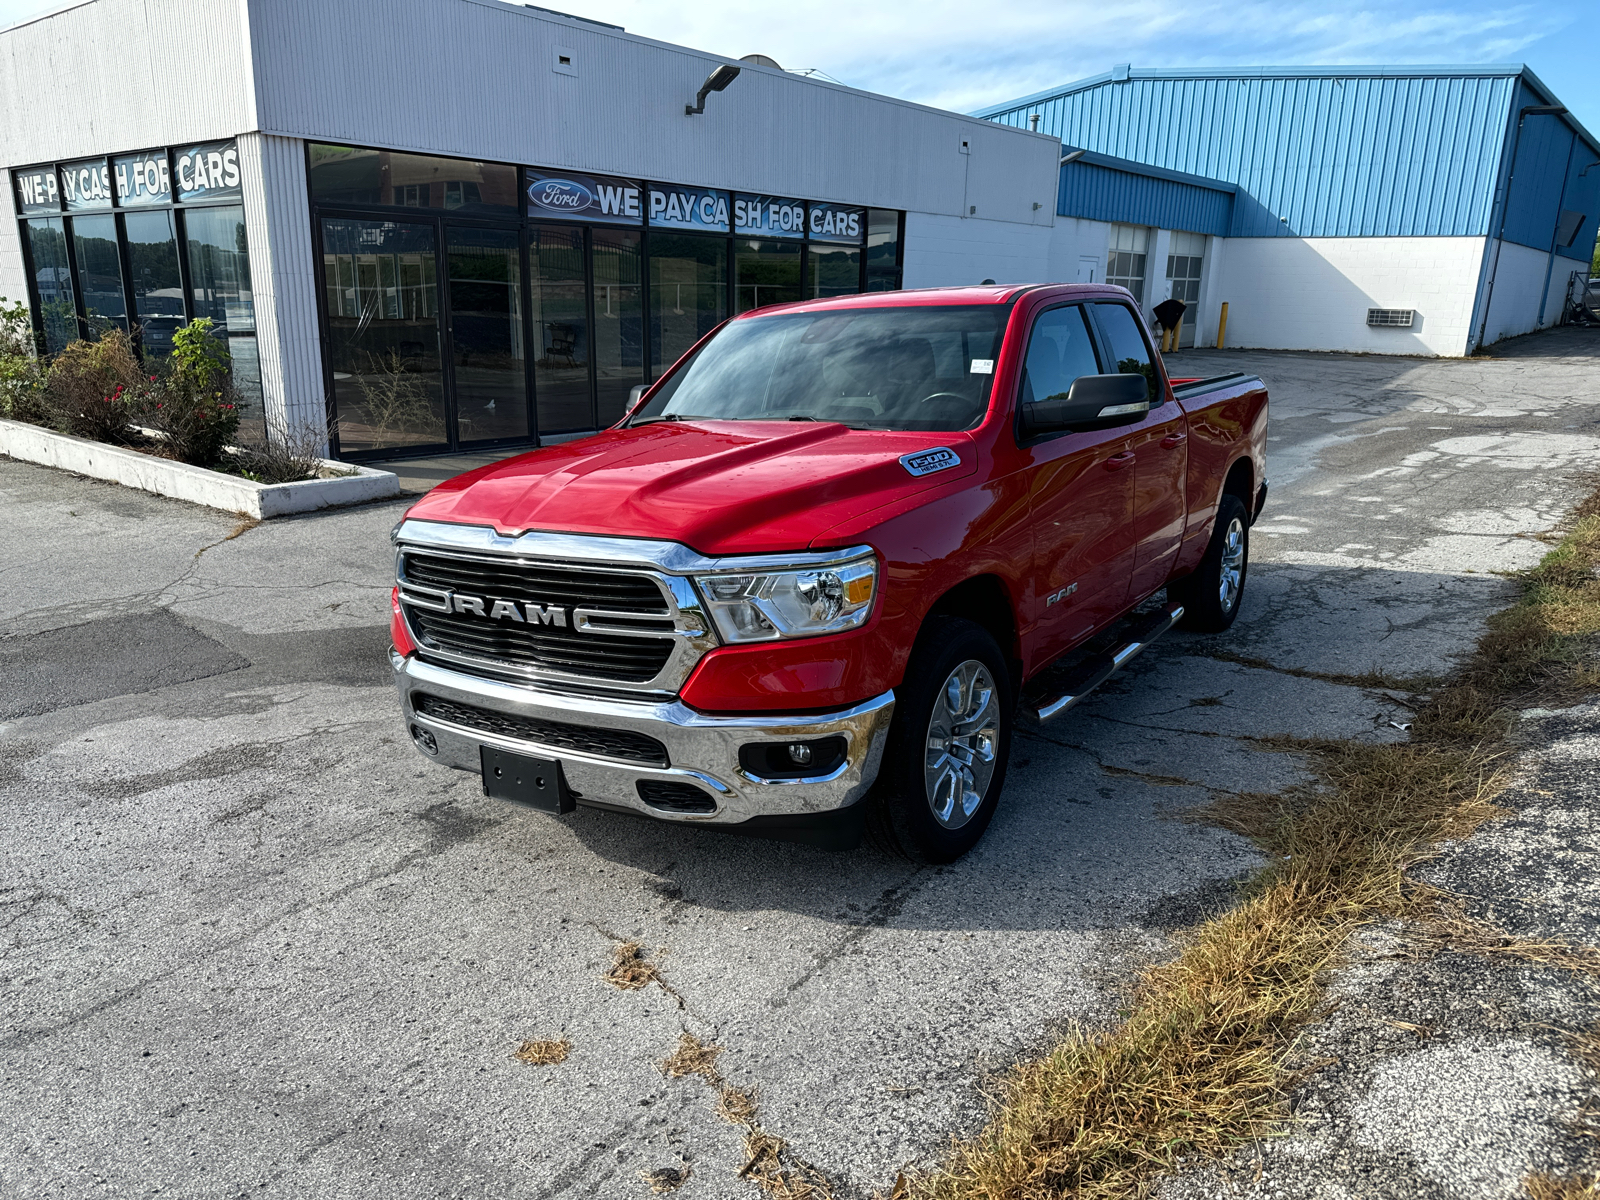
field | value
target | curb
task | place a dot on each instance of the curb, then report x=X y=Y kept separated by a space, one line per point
x=198 y=485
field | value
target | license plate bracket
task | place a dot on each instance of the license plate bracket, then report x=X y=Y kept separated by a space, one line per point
x=525 y=779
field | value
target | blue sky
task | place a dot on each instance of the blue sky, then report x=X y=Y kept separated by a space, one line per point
x=965 y=54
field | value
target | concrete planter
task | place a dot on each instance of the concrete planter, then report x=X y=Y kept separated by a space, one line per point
x=197 y=485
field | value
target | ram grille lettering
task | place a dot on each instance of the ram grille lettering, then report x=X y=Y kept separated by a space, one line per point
x=527 y=613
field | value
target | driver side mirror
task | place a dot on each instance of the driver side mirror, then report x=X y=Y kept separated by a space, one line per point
x=1094 y=402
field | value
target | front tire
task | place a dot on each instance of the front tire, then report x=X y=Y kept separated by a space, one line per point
x=945 y=762
x=1211 y=596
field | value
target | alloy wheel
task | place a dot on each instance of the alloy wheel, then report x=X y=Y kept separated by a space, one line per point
x=963 y=735
x=1231 y=575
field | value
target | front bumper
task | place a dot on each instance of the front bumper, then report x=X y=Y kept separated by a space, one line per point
x=701 y=750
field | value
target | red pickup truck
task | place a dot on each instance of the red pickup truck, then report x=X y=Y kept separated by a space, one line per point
x=822 y=566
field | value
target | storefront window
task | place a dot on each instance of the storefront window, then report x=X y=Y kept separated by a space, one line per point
x=219 y=279
x=491 y=385
x=52 y=282
x=688 y=293
x=560 y=328
x=618 y=321
x=383 y=334
x=883 y=250
x=99 y=271
x=346 y=175
x=765 y=272
x=833 y=271
x=153 y=272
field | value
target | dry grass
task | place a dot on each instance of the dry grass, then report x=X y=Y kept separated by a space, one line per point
x=543 y=1053
x=630 y=969
x=1205 y=1060
x=666 y=1179
x=768 y=1161
x=1548 y=1187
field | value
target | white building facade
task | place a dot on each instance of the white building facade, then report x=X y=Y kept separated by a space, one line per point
x=491 y=246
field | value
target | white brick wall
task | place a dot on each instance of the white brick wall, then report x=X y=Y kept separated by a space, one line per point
x=1313 y=293
x=1518 y=284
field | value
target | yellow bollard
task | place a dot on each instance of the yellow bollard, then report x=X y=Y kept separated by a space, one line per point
x=1222 y=325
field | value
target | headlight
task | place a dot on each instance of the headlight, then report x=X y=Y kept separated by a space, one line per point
x=791 y=604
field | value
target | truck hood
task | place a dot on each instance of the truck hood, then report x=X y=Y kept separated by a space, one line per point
x=718 y=487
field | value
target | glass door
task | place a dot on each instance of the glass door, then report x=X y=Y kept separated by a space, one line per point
x=380 y=281
x=488 y=355
x=560 y=309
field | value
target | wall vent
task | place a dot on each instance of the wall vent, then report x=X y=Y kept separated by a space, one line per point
x=1391 y=318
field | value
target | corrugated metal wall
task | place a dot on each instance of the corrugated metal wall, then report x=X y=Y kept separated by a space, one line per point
x=122 y=75
x=1547 y=178
x=1314 y=156
x=1103 y=193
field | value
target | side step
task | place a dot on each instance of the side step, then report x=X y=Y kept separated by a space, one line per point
x=1092 y=672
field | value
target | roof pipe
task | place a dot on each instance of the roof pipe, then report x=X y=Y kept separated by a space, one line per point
x=1530 y=110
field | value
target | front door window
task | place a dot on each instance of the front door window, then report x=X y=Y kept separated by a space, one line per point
x=380 y=280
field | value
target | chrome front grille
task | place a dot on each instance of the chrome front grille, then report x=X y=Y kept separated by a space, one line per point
x=569 y=623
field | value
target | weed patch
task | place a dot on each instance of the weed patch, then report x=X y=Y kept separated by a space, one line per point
x=769 y=1163
x=1206 y=1058
x=543 y=1053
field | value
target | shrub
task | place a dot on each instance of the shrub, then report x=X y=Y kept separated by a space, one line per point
x=96 y=389
x=21 y=372
x=287 y=455
x=191 y=401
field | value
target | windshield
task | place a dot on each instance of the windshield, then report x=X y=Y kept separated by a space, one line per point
x=926 y=368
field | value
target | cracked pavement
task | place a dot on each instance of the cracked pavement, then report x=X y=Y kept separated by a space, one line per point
x=252 y=942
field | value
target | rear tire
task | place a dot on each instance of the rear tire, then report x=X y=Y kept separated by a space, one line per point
x=945 y=762
x=1211 y=596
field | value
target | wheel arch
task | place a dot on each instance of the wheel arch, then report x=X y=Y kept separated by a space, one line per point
x=986 y=601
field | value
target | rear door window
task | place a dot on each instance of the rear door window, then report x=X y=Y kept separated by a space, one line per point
x=1128 y=348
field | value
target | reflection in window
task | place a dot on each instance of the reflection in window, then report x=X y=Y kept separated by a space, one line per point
x=765 y=272
x=560 y=329
x=219 y=278
x=688 y=293
x=52 y=282
x=1128 y=347
x=833 y=271
x=491 y=383
x=883 y=250
x=383 y=333
x=618 y=321
x=99 y=272
x=345 y=175
x=153 y=272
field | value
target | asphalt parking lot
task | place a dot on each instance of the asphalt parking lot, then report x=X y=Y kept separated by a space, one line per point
x=253 y=943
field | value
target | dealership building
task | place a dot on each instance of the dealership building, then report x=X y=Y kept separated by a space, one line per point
x=493 y=242
x=486 y=244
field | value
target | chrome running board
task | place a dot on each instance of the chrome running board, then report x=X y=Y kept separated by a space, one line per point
x=1092 y=672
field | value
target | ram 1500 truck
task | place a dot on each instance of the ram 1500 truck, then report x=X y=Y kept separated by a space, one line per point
x=814 y=575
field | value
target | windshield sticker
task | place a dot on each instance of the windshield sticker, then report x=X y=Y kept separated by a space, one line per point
x=983 y=366
x=926 y=462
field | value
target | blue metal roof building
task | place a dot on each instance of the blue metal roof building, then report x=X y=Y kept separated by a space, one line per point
x=1309 y=153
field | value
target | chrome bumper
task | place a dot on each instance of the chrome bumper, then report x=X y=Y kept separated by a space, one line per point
x=702 y=750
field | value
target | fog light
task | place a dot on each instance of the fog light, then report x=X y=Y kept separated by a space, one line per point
x=799 y=753
x=425 y=740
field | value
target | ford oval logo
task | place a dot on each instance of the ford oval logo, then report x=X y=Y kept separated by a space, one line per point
x=561 y=195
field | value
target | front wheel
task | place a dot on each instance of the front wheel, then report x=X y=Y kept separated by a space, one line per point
x=1211 y=596
x=945 y=763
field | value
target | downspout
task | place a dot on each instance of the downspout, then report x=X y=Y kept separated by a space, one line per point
x=1530 y=110
x=1561 y=205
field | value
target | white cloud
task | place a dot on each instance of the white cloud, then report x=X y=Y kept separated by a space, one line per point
x=964 y=55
